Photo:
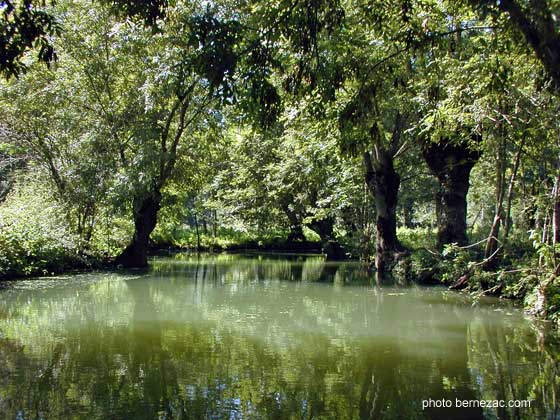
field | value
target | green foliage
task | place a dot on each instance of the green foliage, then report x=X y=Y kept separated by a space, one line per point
x=456 y=262
x=553 y=302
x=25 y=24
x=34 y=238
x=415 y=238
x=186 y=238
x=155 y=99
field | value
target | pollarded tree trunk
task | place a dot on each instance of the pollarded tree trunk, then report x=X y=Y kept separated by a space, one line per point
x=146 y=206
x=296 y=233
x=145 y=219
x=383 y=182
x=451 y=162
x=296 y=227
x=325 y=229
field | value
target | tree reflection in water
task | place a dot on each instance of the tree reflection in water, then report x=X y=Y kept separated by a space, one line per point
x=232 y=337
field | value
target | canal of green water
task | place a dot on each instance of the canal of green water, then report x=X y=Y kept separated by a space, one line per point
x=266 y=337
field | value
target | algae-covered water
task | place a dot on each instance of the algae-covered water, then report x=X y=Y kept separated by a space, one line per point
x=266 y=337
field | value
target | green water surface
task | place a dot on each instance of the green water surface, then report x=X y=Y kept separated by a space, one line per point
x=264 y=337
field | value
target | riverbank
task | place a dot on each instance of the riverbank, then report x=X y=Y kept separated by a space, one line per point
x=267 y=245
x=17 y=262
x=459 y=268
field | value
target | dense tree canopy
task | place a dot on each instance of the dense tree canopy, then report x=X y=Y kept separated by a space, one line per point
x=410 y=134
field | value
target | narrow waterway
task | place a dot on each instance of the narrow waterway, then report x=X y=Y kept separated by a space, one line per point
x=265 y=337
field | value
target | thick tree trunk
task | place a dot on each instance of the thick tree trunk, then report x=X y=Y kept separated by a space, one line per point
x=408 y=216
x=146 y=207
x=296 y=228
x=383 y=182
x=145 y=219
x=325 y=229
x=296 y=233
x=451 y=163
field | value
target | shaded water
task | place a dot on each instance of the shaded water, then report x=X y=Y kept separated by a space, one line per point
x=264 y=337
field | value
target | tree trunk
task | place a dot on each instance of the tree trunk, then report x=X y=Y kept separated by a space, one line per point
x=204 y=224
x=490 y=251
x=325 y=229
x=492 y=241
x=197 y=232
x=508 y=220
x=383 y=182
x=296 y=228
x=296 y=233
x=214 y=223
x=451 y=163
x=556 y=221
x=145 y=218
x=408 y=216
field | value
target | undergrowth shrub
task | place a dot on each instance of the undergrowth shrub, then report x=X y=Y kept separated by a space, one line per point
x=34 y=238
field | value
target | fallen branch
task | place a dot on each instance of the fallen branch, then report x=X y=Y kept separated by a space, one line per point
x=462 y=282
x=489 y=259
x=479 y=242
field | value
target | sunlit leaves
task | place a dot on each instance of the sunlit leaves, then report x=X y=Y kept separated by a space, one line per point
x=25 y=25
